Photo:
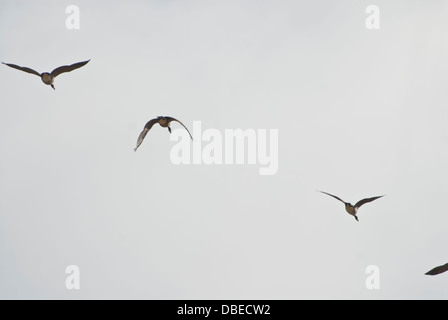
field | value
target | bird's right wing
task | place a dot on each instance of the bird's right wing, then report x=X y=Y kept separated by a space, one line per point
x=69 y=68
x=169 y=119
x=364 y=201
x=29 y=70
x=437 y=270
x=147 y=127
x=333 y=196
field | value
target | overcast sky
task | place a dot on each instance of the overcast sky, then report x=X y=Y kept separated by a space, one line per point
x=359 y=113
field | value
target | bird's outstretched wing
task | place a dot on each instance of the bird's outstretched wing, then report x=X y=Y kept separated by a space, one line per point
x=333 y=196
x=363 y=201
x=437 y=270
x=29 y=70
x=147 y=127
x=169 y=119
x=69 y=68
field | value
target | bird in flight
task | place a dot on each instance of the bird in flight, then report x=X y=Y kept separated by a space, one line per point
x=437 y=270
x=164 y=122
x=353 y=209
x=48 y=78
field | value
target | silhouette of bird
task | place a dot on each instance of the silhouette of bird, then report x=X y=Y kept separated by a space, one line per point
x=48 y=78
x=437 y=270
x=164 y=122
x=353 y=209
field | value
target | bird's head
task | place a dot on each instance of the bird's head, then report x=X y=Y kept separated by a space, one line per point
x=47 y=78
x=162 y=119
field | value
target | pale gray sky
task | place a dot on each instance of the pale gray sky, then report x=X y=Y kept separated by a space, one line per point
x=360 y=113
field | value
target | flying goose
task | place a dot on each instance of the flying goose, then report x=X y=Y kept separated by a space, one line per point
x=353 y=209
x=437 y=270
x=164 y=122
x=48 y=78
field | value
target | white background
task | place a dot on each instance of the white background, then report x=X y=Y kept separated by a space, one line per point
x=360 y=113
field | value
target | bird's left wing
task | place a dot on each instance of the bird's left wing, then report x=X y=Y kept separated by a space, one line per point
x=337 y=198
x=142 y=135
x=29 y=70
x=437 y=270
